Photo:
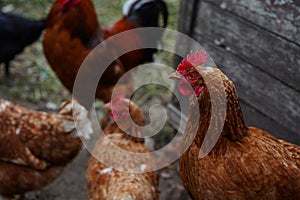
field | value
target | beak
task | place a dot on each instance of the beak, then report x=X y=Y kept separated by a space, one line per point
x=175 y=75
x=107 y=106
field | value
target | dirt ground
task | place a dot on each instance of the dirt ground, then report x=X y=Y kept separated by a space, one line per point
x=71 y=184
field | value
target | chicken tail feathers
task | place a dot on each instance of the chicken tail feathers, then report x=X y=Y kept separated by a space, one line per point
x=147 y=12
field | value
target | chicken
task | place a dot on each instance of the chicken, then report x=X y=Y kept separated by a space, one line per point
x=113 y=171
x=137 y=14
x=17 y=32
x=36 y=146
x=245 y=162
x=73 y=31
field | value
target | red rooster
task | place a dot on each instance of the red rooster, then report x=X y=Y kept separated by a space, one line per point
x=36 y=146
x=73 y=31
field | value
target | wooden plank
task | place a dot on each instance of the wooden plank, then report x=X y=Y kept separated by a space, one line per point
x=255 y=118
x=270 y=53
x=258 y=89
x=175 y=117
x=185 y=26
x=254 y=40
x=185 y=20
x=280 y=17
x=252 y=118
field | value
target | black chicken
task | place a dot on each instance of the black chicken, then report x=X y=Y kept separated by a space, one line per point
x=16 y=32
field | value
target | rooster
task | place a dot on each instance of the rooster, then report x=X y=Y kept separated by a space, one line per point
x=36 y=146
x=73 y=31
x=246 y=162
x=17 y=32
x=105 y=182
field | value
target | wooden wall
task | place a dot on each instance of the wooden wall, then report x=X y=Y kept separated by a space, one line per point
x=257 y=45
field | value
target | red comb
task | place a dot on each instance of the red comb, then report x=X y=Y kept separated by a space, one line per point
x=193 y=59
x=183 y=66
x=197 y=58
x=117 y=98
x=118 y=110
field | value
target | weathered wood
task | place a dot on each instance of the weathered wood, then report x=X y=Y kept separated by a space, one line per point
x=186 y=9
x=175 y=117
x=258 y=89
x=265 y=50
x=257 y=119
x=257 y=45
x=185 y=25
x=260 y=121
x=277 y=16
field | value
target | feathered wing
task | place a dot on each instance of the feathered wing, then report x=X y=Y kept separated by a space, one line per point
x=38 y=139
x=264 y=166
x=105 y=182
x=36 y=146
x=18 y=179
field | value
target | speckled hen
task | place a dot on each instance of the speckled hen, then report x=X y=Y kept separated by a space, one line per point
x=121 y=175
x=35 y=146
x=246 y=162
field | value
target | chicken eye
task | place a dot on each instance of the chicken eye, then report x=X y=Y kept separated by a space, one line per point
x=191 y=76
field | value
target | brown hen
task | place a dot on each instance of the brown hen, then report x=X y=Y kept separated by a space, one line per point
x=132 y=179
x=246 y=162
x=36 y=146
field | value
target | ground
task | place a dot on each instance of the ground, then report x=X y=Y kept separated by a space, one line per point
x=33 y=85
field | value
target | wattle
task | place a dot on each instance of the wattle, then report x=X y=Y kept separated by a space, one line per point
x=198 y=90
x=185 y=88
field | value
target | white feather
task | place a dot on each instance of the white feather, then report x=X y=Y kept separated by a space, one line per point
x=79 y=121
x=3 y=105
x=106 y=170
x=126 y=7
x=84 y=125
x=129 y=3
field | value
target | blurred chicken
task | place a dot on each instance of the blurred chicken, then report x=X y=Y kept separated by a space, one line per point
x=35 y=146
x=73 y=31
x=133 y=178
x=246 y=162
x=138 y=14
x=17 y=32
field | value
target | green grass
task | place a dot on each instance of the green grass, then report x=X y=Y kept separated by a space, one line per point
x=31 y=8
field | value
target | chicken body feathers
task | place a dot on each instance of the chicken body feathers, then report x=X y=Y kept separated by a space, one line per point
x=104 y=182
x=246 y=162
x=35 y=143
x=259 y=166
x=72 y=34
x=130 y=175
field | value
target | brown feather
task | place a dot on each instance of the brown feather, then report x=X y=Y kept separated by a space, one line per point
x=70 y=36
x=72 y=33
x=37 y=143
x=246 y=162
x=105 y=182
